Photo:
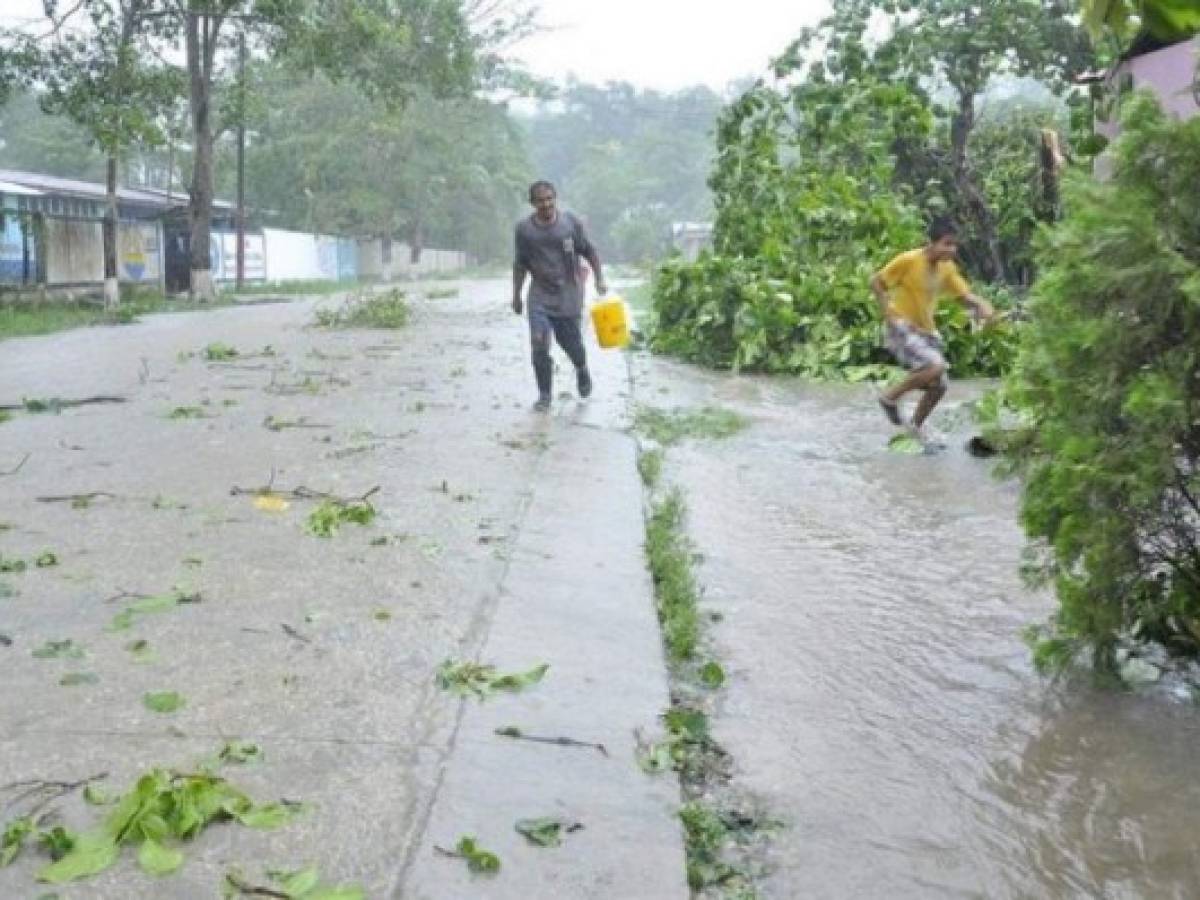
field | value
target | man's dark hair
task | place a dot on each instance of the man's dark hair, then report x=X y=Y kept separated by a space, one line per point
x=541 y=185
x=941 y=228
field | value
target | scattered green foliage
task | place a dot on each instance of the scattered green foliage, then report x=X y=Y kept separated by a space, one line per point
x=23 y=319
x=707 y=832
x=13 y=838
x=905 y=444
x=218 y=352
x=46 y=560
x=187 y=412
x=367 y=310
x=161 y=809
x=650 y=464
x=331 y=515
x=671 y=427
x=302 y=884
x=478 y=860
x=12 y=566
x=1104 y=399
x=545 y=832
x=712 y=675
x=165 y=702
x=5 y=416
x=67 y=649
x=442 y=293
x=240 y=753
x=670 y=558
x=74 y=679
x=145 y=606
x=95 y=795
x=469 y=679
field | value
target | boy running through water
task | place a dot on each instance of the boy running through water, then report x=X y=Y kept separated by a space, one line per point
x=908 y=289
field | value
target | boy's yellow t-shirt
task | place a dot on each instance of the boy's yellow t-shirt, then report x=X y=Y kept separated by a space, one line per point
x=915 y=287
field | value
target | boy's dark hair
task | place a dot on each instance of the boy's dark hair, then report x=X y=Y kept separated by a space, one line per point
x=541 y=185
x=941 y=228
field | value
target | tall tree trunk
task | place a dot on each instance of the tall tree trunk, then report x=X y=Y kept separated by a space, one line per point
x=112 y=287
x=415 y=244
x=968 y=188
x=385 y=246
x=201 y=35
x=1051 y=162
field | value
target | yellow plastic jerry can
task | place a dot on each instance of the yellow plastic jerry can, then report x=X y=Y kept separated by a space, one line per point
x=611 y=322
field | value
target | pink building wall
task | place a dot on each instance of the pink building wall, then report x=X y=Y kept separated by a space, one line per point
x=1170 y=73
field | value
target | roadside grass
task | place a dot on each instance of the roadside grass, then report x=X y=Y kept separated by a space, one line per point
x=669 y=427
x=322 y=287
x=28 y=317
x=365 y=310
x=650 y=465
x=670 y=558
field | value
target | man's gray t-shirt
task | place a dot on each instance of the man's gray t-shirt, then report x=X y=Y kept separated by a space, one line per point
x=550 y=254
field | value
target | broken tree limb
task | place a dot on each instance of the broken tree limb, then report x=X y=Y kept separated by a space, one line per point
x=57 y=403
x=300 y=493
x=77 y=498
x=42 y=792
x=18 y=467
x=517 y=735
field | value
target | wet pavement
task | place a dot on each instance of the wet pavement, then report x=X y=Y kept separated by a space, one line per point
x=881 y=701
x=493 y=526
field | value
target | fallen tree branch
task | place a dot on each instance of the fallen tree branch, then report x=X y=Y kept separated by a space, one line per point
x=252 y=890
x=517 y=735
x=57 y=403
x=43 y=793
x=77 y=498
x=300 y=493
x=293 y=633
x=18 y=467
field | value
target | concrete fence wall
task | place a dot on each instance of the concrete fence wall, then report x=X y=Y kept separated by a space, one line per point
x=370 y=260
x=74 y=252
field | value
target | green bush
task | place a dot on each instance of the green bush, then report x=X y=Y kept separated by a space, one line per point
x=1107 y=396
x=808 y=209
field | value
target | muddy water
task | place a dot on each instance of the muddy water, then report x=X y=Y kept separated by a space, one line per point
x=882 y=702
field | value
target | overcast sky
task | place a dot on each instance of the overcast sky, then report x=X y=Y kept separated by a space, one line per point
x=663 y=44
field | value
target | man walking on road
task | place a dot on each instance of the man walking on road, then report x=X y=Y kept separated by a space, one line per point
x=908 y=289
x=549 y=245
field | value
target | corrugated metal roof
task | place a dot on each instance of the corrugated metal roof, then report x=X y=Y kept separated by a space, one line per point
x=8 y=187
x=52 y=184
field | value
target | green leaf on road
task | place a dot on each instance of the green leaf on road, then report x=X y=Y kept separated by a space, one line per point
x=479 y=860
x=712 y=676
x=545 y=832
x=140 y=651
x=164 y=702
x=296 y=884
x=155 y=859
x=47 y=560
x=67 y=649
x=13 y=838
x=74 y=679
x=92 y=854
x=269 y=816
x=481 y=681
x=94 y=795
x=240 y=753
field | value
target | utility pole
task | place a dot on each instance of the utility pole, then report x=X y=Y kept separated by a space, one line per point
x=241 y=163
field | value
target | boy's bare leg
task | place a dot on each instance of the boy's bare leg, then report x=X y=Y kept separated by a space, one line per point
x=919 y=380
x=933 y=395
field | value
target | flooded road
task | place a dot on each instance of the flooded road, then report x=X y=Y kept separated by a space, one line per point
x=881 y=701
